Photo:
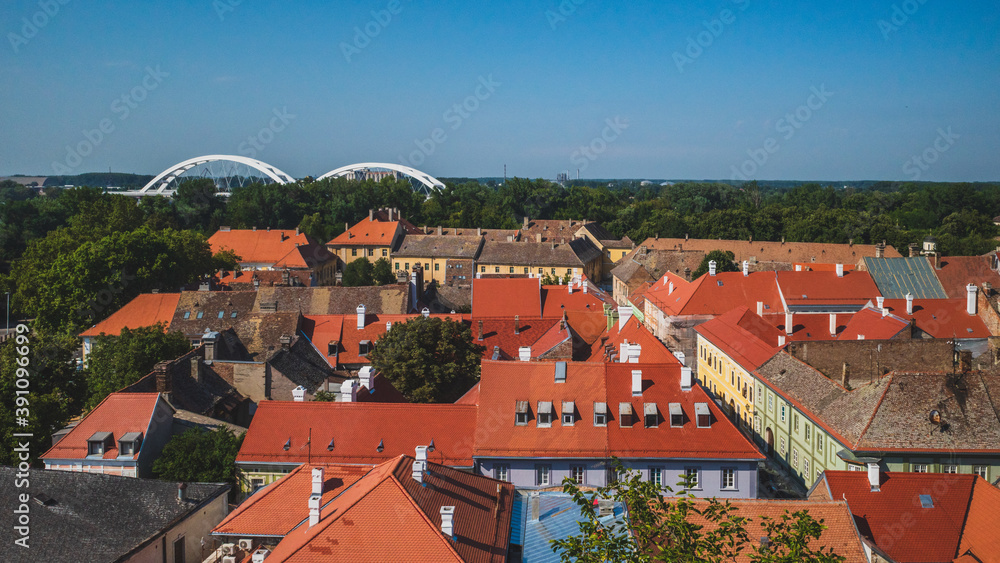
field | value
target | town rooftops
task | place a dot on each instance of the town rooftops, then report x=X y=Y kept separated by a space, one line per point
x=89 y=517
x=718 y=294
x=766 y=251
x=941 y=318
x=826 y=291
x=448 y=515
x=146 y=309
x=258 y=246
x=506 y=297
x=118 y=415
x=957 y=272
x=443 y=246
x=572 y=253
x=872 y=325
x=652 y=351
x=368 y=232
x=944 y=516
x=557 y=298
x=747 y=339
x=352 y=433
x=895 y=277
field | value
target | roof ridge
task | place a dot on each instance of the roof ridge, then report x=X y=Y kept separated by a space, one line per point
x=878 y=405
x=438 y=533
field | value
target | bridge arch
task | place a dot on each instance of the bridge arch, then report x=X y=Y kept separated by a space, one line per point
x=429 y=182
x=162 y=181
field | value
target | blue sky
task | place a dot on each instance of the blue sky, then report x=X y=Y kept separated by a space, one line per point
x=712 y=89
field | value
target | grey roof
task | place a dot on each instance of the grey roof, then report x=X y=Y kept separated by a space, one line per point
x=895 y=277
x=576 y=253
x=423 y=246
x=93 y=517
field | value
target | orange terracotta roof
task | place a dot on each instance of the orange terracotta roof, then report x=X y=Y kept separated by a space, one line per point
x=959 y=271
x=839 y=532
x=471 y=397
x=941 y=318
x=804 y=289
x=980 y=536
x=556 y=299
x=556 y=335
x=652 y=352
x=273 y=511
x=356 y=430
x=119 y=414
x=808 y=327
x=147 y=309
x=819 y=267
x=368 y=233
x=873 y=325
x=743 y=336
x=930 y=534
x=258 y=246
x=305 y=256
x=323 y=329
x=766 y=251
x=506 y=297
x=716 y=295
x=500 y=333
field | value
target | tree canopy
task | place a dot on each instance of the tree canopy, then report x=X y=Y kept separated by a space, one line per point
x=201 y=456
x=429 y=360
x=117 y=361
x=723 y=263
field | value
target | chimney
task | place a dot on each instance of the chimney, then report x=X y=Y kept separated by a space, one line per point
x=781 y=340
x=670 y=288
x=711 y=267
x=798 y=267
x=527 y=221
x=885 y=312
x=371 y=214
x=299 y=394
x=315 y=498
x=197 y=373
x=971 y=303
x=440 y=230
x=845 y=375
x=874 y=477
x=349 y=391
x=840 y=270
x=880 y=302
x=366 y=378
x=479 y=231
x=480 y=335
x=420 y=464
x=388 y=326
x=361 y=316
x=517 y=324
x=392 y=215
x=746 y=268
x=914 y=250
x=789 y=322
x=637 y=383
x=524 y=353
x=880 y=250
x=686 y=379
x=833 y=324
x=163 y=380
x=636 y=352
x=861 y=337
x=425 y=312
x=687 y=273
x=585 y=286
x=538 y=238
x=570 y=287
x=760 y=308
x=681 y=357
x=909 y=304
x=624 y=314
x=447 y=521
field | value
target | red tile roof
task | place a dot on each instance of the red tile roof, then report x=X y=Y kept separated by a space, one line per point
x=818 y=267
x=323 y=329
x=873 y=325
x=825 y=288
x=368 y=233
x=281 y=506
x=471 y=397
x=356 y=430
x=500 y=332
x=119 y=414
x=503 y=384
x=716 y=295
x=743 y=336
x=387 y=514
x=893 y=518
x=941 y=318
x=652 y=352
x=258 y=246
x=839 y=533
x=959 y=271
x=506 y=297
x=147 y=309
x=980 y=535
x=556 y=335
x=808 y=326
x=767 y=251
x=305 y=256
x=556 y=299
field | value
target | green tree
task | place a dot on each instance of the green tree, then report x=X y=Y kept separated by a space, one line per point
x=382 y=272
x=201 y=456
x=325 y=396
x=118 y=361
x=429 y=360
x=56 y=390
x=197 y=205
x=723 y=263
x=664 y=529
x=359 y=272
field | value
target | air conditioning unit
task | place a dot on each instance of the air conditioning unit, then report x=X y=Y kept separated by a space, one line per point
x=229 y=559
x=246 y=544
x=260 y=555
x=229 y=549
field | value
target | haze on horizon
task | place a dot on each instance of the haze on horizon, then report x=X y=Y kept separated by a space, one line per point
x=752 y=88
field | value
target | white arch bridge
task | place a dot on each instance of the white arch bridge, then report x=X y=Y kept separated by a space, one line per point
x=230 y=171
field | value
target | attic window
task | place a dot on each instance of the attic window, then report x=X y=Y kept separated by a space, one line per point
x=703 y=415
x=625 y=415
x=676 y=415
x=222 y=314
x=98 y=443
x=364 y=347
x=233 y=314
x=651 y=414
x=600 y=414
x=187 y=315
x=969 y=330
x=926 y=501
x=129 y=444
x=332 y=347
x=544 y=414
x=521 y=413
x=200 y=314
x=568 y=413
x=719 y=282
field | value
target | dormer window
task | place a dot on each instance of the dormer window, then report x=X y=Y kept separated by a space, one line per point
x=625 y=415
x=600 y=414
x=200 y=314
x=651 y=415
x=99 y=443
x=332 y=347
x=568 y=413
x=187 y=315
x=544 y=414
x=703 y=415
x=364 y=347
x=129 y=444
x=676 y=415
x=521 y=413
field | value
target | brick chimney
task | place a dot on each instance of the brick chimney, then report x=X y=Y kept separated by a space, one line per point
x=914 y=250
x=845 y=375
x=162 y=377
x=880 y=250
x=517 y=324
x=480 y=333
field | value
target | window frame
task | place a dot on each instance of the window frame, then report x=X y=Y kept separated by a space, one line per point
x=696 y=471
x=656 y=475
x=582 y=469
x=502 y=471
x=543 y=470
x=730 y=472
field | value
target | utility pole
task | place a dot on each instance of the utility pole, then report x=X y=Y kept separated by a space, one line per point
x=505 y=174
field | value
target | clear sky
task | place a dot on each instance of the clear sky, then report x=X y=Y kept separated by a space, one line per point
x=644 y=89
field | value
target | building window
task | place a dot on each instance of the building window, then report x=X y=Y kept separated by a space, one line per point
x=354 y=252
x=795 y=458
x=795 y=422
x=544 y=414
x=819 y=473
x=512 y=269
x=222 y=314
x=95 y=448
x=770 y=402
x=503 y=472
x=542 y=475
x=385 y=252
x=656 y=476
x=200 y=314
x=805 y=468
x=982 y=470
x=781 y=444
x=676 y=415
x=256 y=483
x=808 y=429
x=625 y=415
x=692 y=477
x=920 y=468
x=949 y=469
x=437 y=266
x=187 y=315
x=819 y=442
x=751 y=393
x=397 y=265
x=427 y=266
x=482 y=269
x=600 y=414
x=782 y=413
x=553 y=271
x=496 y=269
x=232 y=315
x=578 y=472
x=371 y=252
x=728 y=478
x=521 y=413
x=364 y=347
x=652 y=415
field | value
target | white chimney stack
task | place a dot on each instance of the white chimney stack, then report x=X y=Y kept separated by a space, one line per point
x=874 y=477
x=833 y=324
x=388 y=326
x=448 y=521
x=420 y=464
x=366 y=378
x=909 y=303
x=746 y=268
x=624 y=314
x=840 y=270
x=585 y=286
x=760 y=308
x=426 y=312
x=570 y=287
x=879 y=301
x=781 y=340
x=711 y=267
x=524 y=353
x=885 y=312
x=317 y=481
x=637 y=383
x=789 y=323
x=361 y=316
x=861 y=337
x=686 y=379
x=633 y=358
x=349 y=391
x=299 y=394
x=681 y=357
x=972 y=304
x=798 y=267
x=314 y=504
x=670 y=288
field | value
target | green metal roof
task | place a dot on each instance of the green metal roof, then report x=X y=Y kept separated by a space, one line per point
x=895 y=277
